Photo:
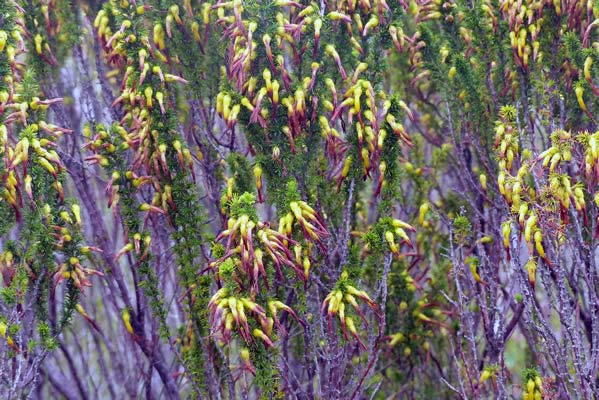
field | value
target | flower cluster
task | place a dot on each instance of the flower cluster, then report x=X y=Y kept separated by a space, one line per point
x=249 y=254
x=335 y=304
x=228 y=313
x=533 y=386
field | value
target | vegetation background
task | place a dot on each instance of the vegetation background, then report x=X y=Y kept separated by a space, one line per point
x=342 y=199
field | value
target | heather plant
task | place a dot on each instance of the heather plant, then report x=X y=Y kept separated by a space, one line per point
x=291 y=199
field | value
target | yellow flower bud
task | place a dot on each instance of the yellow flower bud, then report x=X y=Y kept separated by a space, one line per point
x=579 y=91
x=3 y=38
x=588 y=63
x=483 y=181
x=452 y=72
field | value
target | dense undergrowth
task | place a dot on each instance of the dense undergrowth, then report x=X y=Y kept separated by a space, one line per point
x=281 y=199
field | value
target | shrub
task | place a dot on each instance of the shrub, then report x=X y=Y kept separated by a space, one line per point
x=345 y=199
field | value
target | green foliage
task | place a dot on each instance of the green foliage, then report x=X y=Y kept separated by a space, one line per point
x=355 y=201
x=244 y=205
